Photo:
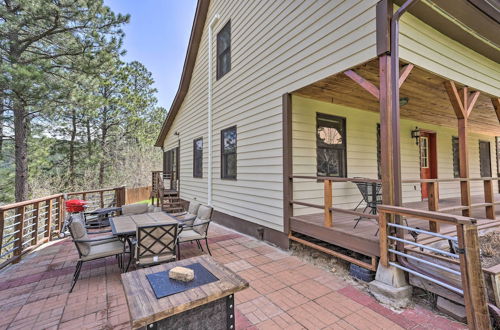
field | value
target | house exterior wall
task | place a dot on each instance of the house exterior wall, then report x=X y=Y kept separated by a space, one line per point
x=361 y=138
x=276 y=47
x=426 y=47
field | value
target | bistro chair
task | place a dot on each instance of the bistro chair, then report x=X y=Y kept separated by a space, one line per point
x=188 y=217
x=92 y=248
x=372 y=196
x=156 y=244
x=198 y=231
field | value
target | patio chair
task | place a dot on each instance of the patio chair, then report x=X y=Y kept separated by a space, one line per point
x=188 y=217
x=132 y=209
x=156 y=244
x=92 y=248
x=372 y=196
x=198 y=231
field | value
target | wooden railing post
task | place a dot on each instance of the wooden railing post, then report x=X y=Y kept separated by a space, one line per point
x=48 y=223
x=433 y=203
x=476 y=304
x=36 y=219
x=2 y=225
x=101 y=199
x=328 y=203
x=489 y=197
x=19 y=228
x=384 y=253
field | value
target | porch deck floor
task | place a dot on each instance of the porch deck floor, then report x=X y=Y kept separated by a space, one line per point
x=363 y=238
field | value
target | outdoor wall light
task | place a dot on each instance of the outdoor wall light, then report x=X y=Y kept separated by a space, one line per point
x=416 y=134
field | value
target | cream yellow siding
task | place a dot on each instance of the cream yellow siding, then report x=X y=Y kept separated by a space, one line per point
x=362 y=154
x=276 y=47
x=426 y=47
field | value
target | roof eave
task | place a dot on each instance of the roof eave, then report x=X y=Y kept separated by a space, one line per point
x=187 y=70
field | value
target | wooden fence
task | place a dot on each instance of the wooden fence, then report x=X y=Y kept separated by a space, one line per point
x=134 y=195
x=26 y=225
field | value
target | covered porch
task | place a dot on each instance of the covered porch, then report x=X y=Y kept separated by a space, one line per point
x=435 y=155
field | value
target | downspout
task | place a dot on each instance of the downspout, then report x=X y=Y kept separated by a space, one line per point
x=214 y=20
x=395 y=125
x=395 y=99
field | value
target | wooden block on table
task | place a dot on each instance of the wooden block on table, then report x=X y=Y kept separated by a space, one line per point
x=181 y=274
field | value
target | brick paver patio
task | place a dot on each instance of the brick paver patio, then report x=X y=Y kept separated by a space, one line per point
x=285 y=292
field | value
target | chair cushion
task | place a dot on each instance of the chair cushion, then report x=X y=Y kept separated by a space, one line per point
x=200 y=226
x=104 y=250
x=204 y=212
x=79 y=232
x=193 y=207
x=189 y=235
x=151 y=260
x=134 y=209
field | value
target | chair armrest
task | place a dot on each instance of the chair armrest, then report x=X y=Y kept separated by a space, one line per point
x=97 y=239
x=98 y=232
x=198 y=224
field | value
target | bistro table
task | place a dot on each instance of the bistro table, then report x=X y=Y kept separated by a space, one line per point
x=208 y=306
x=126 y=225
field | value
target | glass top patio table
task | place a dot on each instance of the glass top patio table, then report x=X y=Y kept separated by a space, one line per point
x=126 y=225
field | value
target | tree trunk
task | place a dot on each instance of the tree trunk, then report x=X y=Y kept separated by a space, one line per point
x=89 y=139
x=21 y=124
x=2 y=111
x=72 y=149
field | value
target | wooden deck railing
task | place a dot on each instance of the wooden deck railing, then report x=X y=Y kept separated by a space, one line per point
x=489 y=202
x=327 y=206
x=26 y=225
x=394 y=245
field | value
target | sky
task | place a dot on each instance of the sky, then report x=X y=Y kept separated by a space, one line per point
x=157 y=36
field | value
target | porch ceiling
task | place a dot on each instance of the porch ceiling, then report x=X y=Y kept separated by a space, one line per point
x=428 y=100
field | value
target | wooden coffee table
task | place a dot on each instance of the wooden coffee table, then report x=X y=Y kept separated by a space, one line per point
x=209 y=306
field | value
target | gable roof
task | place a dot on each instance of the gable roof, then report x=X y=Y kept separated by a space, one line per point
x=187 y=71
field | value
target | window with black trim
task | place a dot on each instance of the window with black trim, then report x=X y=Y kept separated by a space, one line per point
x=485 y=159
x=198 y=158
x=228 y=139
x=224 y=50
x=456 y=156
x=331 y=154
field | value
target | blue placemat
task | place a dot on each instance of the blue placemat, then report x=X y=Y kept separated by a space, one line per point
x=163 y=285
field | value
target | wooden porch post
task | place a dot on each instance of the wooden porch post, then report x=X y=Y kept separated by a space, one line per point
x=462 y=105
x=328 y=203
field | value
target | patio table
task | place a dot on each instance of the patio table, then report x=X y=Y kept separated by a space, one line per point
x=126 y=225
x=207 y=306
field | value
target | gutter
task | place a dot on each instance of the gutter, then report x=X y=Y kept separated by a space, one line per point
x=214 y=20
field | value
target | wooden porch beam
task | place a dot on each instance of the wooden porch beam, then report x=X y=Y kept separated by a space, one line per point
x=405 y=73
x=472 y=101
x=455 y=99
x=368 y=86
x=496 y=105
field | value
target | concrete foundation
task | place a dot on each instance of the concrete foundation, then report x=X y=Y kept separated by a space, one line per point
x=390 y=287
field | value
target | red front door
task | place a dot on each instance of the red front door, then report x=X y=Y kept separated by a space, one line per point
x=428 y=168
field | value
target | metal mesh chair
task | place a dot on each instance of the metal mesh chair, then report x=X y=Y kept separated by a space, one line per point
x=156 y=244
x=372 y=196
